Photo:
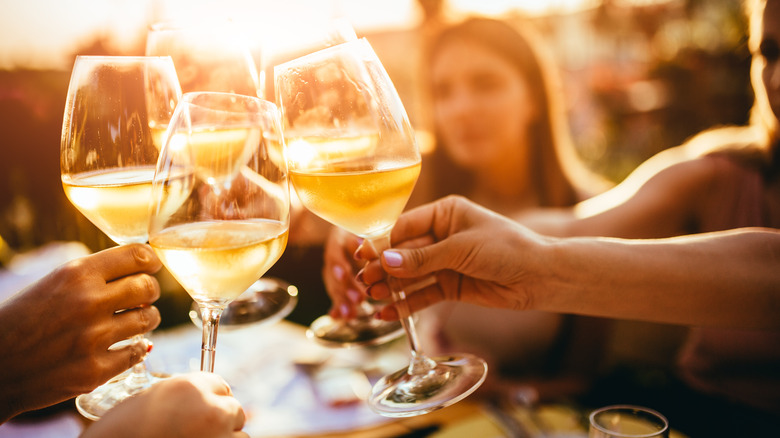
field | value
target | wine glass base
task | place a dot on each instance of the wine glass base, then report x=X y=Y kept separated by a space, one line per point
x=268 y=300
x=356 y=332
x=95 y=404
x=405 y=395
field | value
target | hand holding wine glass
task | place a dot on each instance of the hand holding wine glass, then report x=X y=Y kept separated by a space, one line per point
x=107 y=159
x=354 y=162
x=220 y=201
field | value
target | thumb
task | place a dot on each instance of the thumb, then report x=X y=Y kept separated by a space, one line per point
x=414 y=262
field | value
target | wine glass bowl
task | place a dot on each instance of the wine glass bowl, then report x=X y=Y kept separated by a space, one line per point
x=108 y=153
x=208 y=57
x=354 y=161
x=220 y=211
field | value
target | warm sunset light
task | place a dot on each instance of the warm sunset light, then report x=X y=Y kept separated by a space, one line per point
x=42 y=34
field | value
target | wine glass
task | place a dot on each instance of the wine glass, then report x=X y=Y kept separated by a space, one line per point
x=220 y=211
x=627 y=421
x=107 y=161
x=354 y=161
x=208 y=57
x=215 y=57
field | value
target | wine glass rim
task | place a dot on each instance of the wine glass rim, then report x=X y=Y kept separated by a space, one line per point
x=178 y=24
x=122 y=58
x=626 y=407
x=189 y=96
x=321 y=53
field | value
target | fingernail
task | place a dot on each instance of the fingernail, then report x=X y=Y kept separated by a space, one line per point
x=338 y=272
x=344 y=309
x=359 y=277
x=392 y=258
x=354 y=296
x=149 y=346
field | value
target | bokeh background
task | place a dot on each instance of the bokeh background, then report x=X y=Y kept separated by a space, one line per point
x=639 y=76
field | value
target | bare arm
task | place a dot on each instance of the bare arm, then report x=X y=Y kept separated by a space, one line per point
x=661 y=198
x=724 y=279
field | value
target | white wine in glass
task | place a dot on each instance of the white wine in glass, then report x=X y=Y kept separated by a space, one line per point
x=354 y=161
x=215 y=56
x=107 y=161
x=220 y=201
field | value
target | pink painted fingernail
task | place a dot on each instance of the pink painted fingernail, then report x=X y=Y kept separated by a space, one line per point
x=344 y=309
x=392 y=258
x=338 y=272
x=354 y=296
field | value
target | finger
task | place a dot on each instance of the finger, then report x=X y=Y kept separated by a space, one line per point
x=379 y=291
x=125 y=260
x=351 y=243
x=239 y=419
x=413 y=224
x=214 y=383
x=416 y=242
x=371 y=273
x=134 y=322
x=418 y=262
x=133 y=291
x=120 y=359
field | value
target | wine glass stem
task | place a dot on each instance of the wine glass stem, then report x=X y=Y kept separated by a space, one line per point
x=138 y=376
x=210 y=317
x=420 y=363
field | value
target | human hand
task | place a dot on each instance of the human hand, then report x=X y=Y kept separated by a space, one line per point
x=476 y=255
x=59 y=329
x=338 y=274
x=195 y=404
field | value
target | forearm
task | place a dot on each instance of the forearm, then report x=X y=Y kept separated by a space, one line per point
x=726 y=279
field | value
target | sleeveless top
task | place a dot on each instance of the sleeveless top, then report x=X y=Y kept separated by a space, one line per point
x=740 y=365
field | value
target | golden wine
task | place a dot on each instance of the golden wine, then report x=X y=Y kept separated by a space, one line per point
x=364 y=201
x=324 y=151
x=158 y=136
x=115 y=200
x=217 y=261
x=218 y=154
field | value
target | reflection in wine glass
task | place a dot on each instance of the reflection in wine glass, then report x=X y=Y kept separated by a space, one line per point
x=354 y=162
x=107 y=160
x=627 y=421
x=220 y=201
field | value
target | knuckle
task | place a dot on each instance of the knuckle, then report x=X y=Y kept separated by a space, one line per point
x=136 y=354
x=148 y=318
x=139 y=254
x=145 y=287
